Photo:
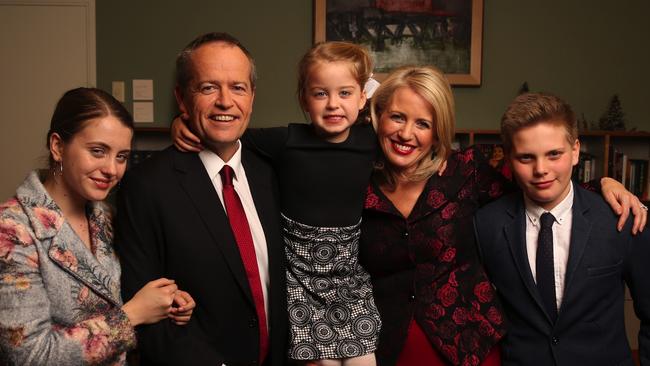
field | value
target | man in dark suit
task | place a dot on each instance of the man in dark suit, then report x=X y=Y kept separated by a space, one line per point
x=178 y=217
x=553 y=251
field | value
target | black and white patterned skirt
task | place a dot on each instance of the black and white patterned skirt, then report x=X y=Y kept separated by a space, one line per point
x=332 y=313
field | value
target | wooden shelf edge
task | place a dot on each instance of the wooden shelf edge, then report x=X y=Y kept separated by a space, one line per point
x=480 y=132
x=151 y=129
x=580 y=133
x=614 y=133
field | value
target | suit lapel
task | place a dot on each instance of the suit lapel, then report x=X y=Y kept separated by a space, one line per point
x=263 y=193
x=580 y=230
x=195 y=182
x=100 y=220
x=434 y=197
x=66 y=249
x=438 y=192
x=261 y=190
x=69 y=252
x=515 y=233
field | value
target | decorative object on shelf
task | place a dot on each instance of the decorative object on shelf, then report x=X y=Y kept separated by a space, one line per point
x=585 y=170
x=613 y=119
x=583 y=124
x=446 y=34
x=524 y=88
x=496 y=158
x=138 y=156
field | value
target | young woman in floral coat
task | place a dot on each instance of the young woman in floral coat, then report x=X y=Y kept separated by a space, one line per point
x=436 y=303
x=59 y=277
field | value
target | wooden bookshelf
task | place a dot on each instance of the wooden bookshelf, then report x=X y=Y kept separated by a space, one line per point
x=151 y=138
x=151 y=130
x=472 y=134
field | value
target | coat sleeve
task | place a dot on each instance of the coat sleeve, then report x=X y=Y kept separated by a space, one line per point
x=477 y=237
x=29 y=333
x=140 y=245
x=637 y=275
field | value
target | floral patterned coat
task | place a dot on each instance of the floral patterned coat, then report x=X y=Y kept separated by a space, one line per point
x=426 y=267
x=59 y=303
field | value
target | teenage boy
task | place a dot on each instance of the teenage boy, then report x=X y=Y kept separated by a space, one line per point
x=553 y=251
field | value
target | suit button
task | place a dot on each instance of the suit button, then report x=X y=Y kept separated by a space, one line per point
x=252 y=323
x=406 y=234
x=412 y=297
x=555 y=341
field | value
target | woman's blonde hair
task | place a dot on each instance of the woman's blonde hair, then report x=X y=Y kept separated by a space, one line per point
x=429 y=83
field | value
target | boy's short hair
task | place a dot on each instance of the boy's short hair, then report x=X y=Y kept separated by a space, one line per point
x=529 y=109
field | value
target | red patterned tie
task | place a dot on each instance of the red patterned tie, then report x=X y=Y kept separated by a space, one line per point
x=242 y=233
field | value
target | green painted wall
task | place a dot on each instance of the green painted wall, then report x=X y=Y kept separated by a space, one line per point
x=140 y=40
x=582 y=51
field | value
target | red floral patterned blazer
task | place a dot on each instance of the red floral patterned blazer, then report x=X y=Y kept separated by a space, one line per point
x=426 y=267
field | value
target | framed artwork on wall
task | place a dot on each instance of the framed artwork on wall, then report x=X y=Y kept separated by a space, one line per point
x=446 y=34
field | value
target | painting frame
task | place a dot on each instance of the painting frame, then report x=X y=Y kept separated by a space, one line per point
x=470 y=78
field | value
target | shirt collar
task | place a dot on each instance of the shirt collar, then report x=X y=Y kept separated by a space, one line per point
x=560 y=212
x=213 y=163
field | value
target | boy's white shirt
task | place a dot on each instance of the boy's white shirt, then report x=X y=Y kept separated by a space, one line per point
x=563 y=214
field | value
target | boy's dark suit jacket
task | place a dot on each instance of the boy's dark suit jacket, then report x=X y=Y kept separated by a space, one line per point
x=171 y=224
x=590 y=327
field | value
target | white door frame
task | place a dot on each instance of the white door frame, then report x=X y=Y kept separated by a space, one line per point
x=89 y=7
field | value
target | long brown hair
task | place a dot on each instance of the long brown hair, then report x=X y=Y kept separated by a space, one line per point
x=78 y=106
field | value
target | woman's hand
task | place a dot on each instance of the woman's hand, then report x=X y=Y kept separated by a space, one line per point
x=621 y=200
x=151 y=303
x=182 y=311
x=184 y=139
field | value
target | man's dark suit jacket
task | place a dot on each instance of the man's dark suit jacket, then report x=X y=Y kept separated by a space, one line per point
x=171 y=224
x=590 y=327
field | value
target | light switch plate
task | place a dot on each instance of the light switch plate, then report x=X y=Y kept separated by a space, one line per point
x=118 y=90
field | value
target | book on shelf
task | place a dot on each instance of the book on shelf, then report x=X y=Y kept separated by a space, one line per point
x=638 y=178
x=585 y=170
x=616 y=163
x=625 y=171
x=631 y=172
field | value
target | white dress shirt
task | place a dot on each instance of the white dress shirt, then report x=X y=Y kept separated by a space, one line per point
x=563 y=214
x=213 y=164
